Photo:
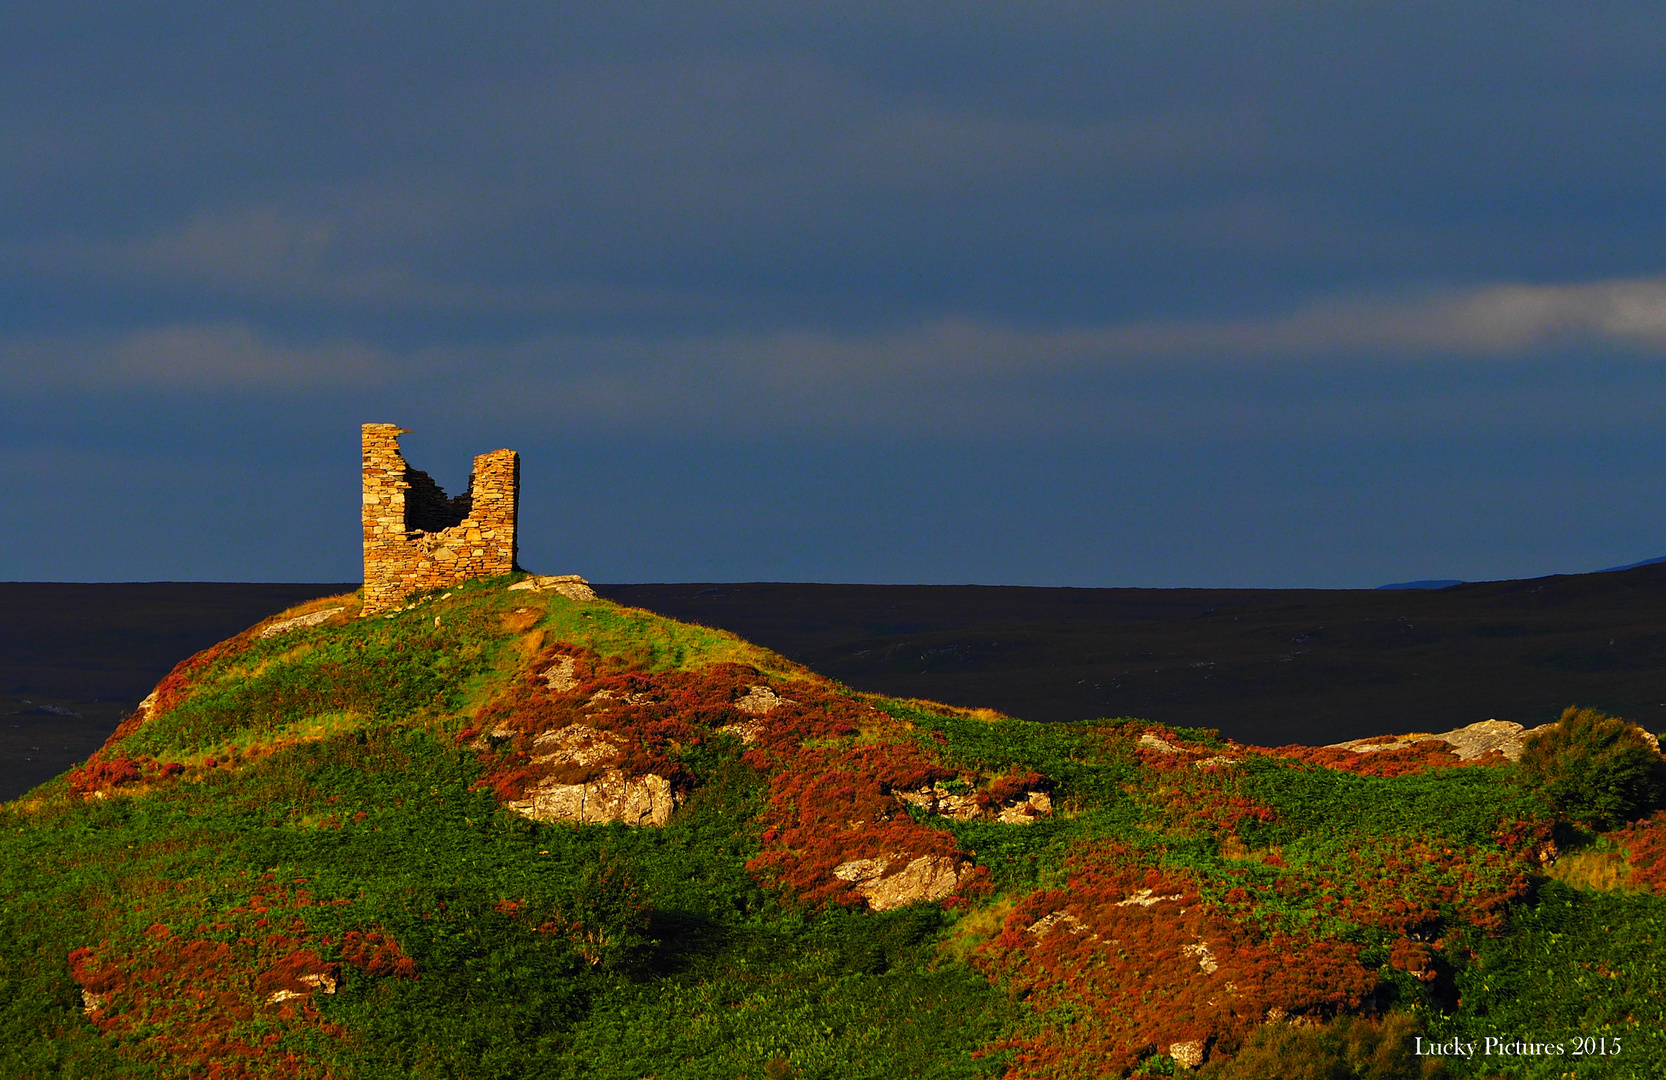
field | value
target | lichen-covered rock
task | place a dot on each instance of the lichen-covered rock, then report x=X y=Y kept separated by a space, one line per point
x=927 y=877
x=1188 y=1054
x=612 y=796
x=560 y=678
x=1056 y=919
x=1201 y=952
x=605 y=793
x=759 y=701
x=1034 y=804
x=747 y=731
x=1471 y=741
x=571 y=586
x=324 y=981
x=577 y=744
x=938 y=799
x=311 y=618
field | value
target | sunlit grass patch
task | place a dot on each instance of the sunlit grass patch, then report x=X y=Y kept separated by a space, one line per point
x=1606 y=871
x=651 y=641
x=250 y=742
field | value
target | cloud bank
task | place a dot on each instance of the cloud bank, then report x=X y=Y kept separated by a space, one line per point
x=614 y=374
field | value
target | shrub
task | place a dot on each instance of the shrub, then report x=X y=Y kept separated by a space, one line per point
x=607 y=917
x=1593 y=770
x=1348 y=1049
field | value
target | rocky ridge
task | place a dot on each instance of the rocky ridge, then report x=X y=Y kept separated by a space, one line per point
x=1470 y=742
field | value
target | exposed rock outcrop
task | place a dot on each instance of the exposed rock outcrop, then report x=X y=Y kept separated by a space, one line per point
x=311 y=618
x=577 y=744
x=571 y=586
x=1061 y=919
x=938 y=799
x=758 y=702
x=320 y=981
x=926 y=877
x=1205 y=958
x=560 y=678
x=1158 y=744
x=1188 y=1054
x=605 y=792
x=612 y=796
x=1467 y=742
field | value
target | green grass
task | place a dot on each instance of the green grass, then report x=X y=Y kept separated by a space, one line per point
x=1576 y=965
x=1464 y=805
x=730 y=980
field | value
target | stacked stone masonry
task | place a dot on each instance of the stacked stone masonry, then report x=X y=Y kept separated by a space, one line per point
x=417 y=538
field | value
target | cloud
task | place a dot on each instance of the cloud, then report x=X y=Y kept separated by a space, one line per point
x=360 y=255
x=201 y=359
x=902 y=162
x=930 y=376
x=1501 y=320
x=1329 y=365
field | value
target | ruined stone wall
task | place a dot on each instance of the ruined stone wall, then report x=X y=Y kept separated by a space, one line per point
x=428 y=508
x=417 y=538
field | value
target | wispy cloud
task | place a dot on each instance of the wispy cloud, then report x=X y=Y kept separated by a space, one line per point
x=1494 y=320
x=807 y=377
x=206 y=359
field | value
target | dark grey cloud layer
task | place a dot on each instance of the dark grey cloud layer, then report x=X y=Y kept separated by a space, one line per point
x=1179 y=293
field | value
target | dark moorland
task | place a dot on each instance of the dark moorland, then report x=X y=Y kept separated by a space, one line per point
x=1264 y=666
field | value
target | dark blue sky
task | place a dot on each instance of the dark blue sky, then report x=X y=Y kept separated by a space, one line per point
x=1324 y=294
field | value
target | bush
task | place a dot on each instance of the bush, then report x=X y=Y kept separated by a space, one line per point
x=1350 y=1048
x=1594 y=770
x=607 y=916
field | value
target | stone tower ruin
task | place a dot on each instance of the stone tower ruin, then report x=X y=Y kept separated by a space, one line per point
x=416 y=537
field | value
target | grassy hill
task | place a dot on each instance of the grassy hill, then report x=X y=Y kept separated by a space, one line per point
x=506 y=833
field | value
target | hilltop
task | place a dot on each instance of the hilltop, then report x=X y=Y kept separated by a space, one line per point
x=1266 y=666
x=513 y=830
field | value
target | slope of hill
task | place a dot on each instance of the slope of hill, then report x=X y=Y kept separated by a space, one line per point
x=75 y=658
x=510 y=833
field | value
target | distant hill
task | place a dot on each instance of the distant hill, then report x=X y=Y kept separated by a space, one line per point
x=1427 y=583
x=1266 y=666
x=506 y=832
x=1635 y=565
